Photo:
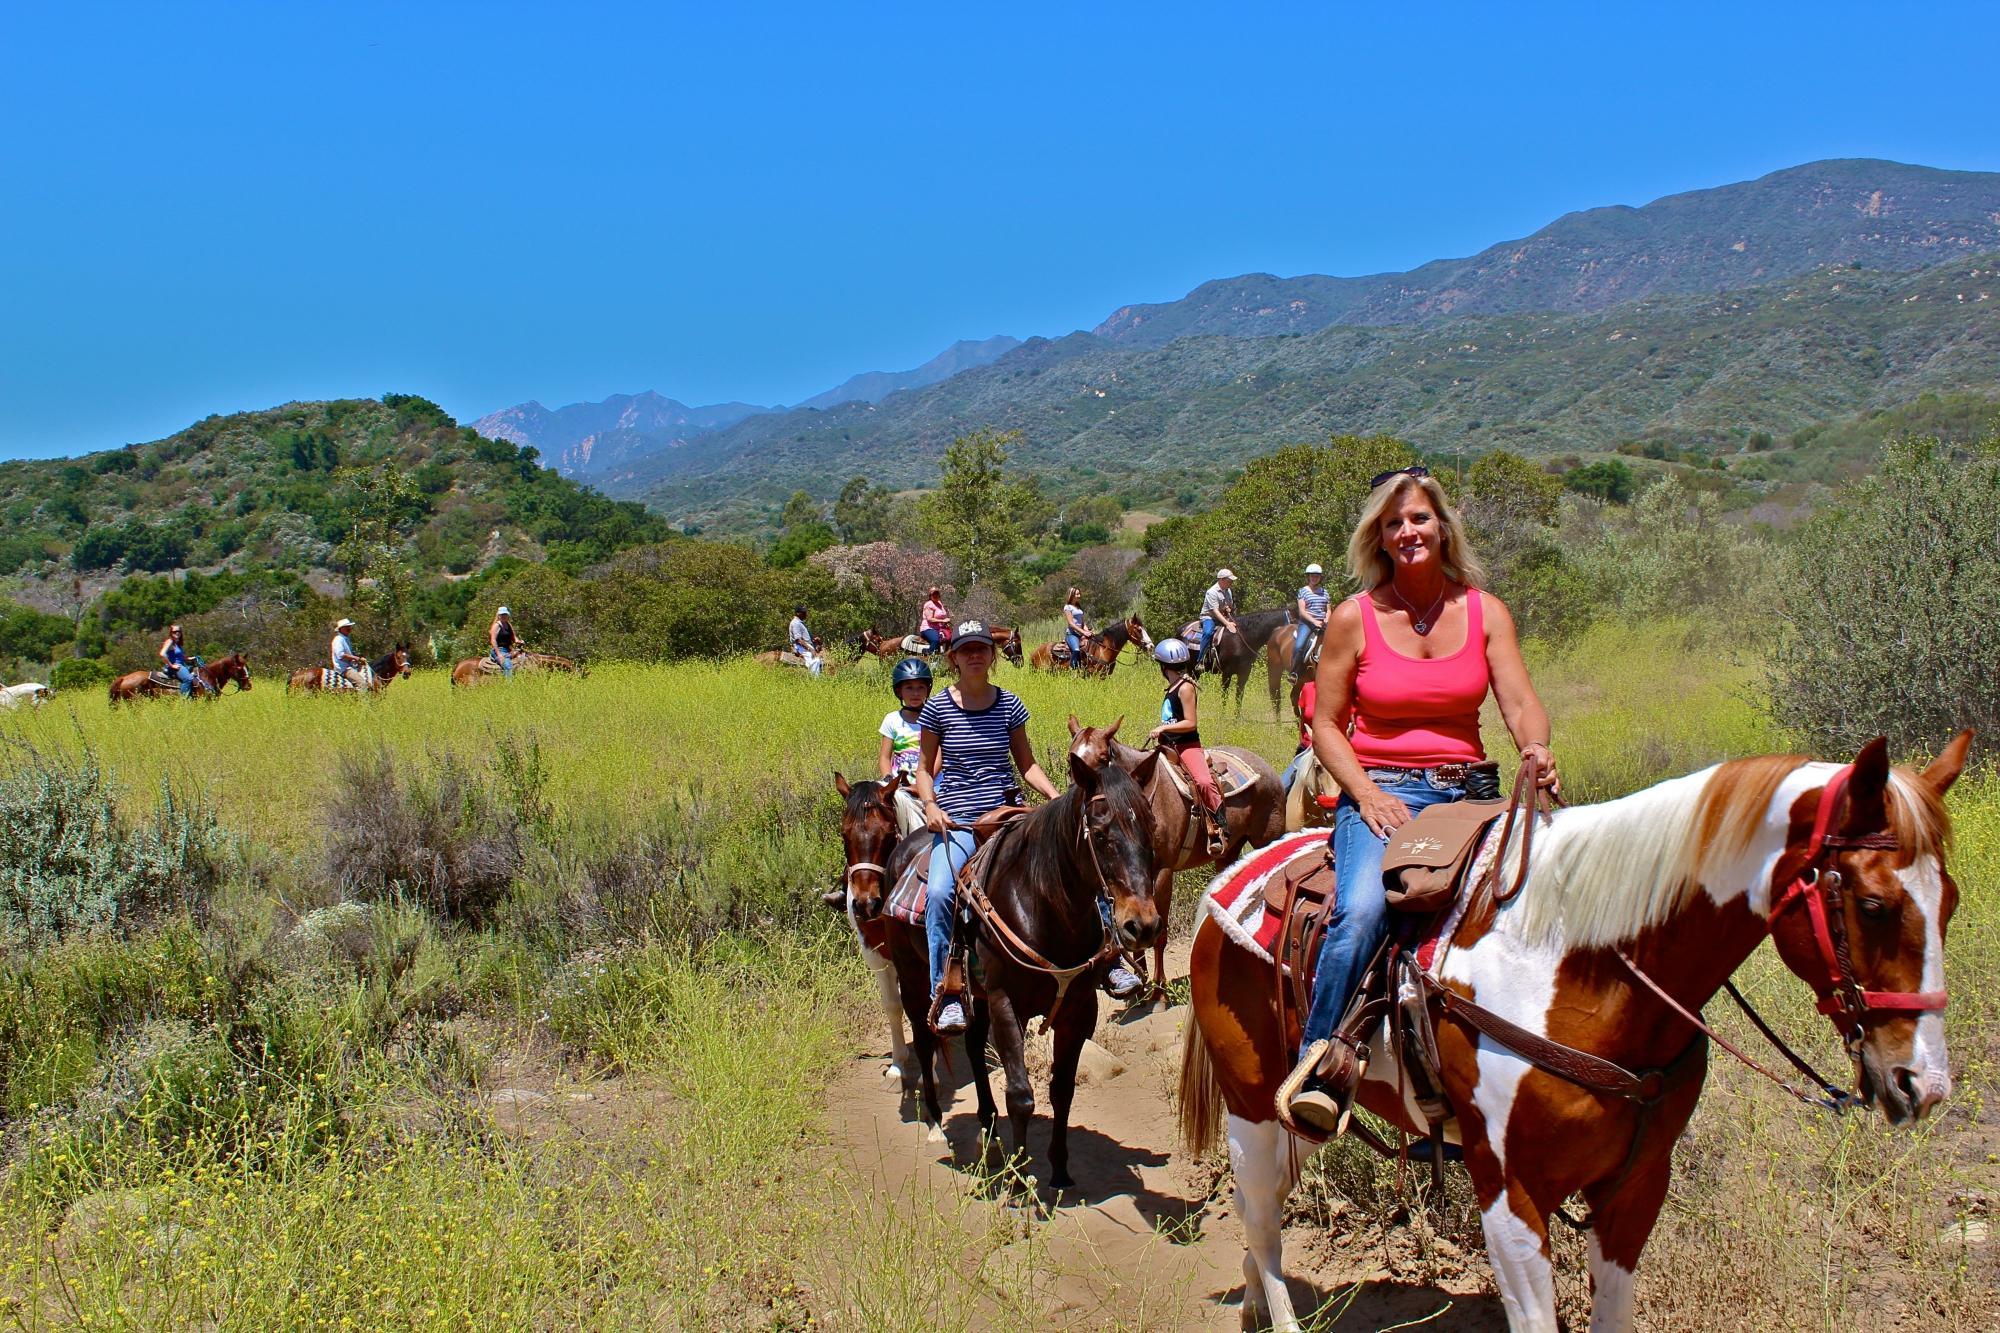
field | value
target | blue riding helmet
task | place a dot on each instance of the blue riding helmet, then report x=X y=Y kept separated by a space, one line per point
x=907 y=670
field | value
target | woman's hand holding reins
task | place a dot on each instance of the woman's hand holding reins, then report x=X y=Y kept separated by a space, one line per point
x=935 y=819
x=1383 y=813
x=1540 y=754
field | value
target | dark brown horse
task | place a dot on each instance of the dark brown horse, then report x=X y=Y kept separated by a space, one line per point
x=1042 y=943
x=1100 y=650
x=895 y=951
x=1237 y=654
x=381 y=672
x=1634 y=914
x=1255 y=815
x=212 y=676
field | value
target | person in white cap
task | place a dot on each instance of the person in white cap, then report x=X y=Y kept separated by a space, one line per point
x=348 y=665
x=1218 y=607
x=1313 y=602
x=504 y=641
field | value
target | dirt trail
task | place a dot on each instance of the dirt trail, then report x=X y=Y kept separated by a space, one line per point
x=1140 y=1242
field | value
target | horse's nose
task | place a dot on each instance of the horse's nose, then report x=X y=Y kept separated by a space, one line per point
x=1919 y=1088
x=866 y=909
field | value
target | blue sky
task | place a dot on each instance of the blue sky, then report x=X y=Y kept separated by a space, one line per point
x=206 y=208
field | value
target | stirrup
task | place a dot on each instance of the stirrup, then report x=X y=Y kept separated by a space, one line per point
x=1336 y=1090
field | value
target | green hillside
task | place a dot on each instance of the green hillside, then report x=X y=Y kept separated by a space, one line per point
x=1707 y=374
x=285 y=488
x=263 y=525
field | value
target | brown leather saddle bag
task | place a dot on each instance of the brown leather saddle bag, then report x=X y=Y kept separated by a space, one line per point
x=1425 y=862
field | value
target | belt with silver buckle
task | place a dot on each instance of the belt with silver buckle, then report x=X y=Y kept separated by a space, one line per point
x=1438 y=775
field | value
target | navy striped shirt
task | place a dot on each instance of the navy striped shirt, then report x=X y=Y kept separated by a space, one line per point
x=1316 y=600
x=975 y=755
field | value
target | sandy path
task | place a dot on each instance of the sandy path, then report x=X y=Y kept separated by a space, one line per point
x=1139 y=1243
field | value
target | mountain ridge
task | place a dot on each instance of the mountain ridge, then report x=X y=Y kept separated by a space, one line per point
x=1719 y=238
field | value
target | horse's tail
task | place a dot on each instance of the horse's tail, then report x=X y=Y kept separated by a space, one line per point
x=1199 y=1100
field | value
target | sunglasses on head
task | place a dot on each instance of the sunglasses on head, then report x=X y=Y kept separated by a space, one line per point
x=1414 y=470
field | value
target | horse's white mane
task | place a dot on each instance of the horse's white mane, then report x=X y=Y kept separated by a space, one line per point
x=1599 y=875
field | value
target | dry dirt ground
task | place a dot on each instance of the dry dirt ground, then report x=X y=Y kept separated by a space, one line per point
x=1141 y=1242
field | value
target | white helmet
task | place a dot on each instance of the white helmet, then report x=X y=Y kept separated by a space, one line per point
x=1224 y=573
x=1314 y=568
x=1171 y=652
x=503 y=611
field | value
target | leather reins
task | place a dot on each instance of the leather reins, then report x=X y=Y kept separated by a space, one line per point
x=972 y=891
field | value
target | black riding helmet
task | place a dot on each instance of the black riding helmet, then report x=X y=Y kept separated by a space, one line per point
x=907 y=670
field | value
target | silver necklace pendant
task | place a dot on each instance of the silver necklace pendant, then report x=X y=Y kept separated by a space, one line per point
x=1422 y=627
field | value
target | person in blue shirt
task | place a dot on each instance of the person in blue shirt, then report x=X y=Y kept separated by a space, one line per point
x=174 y=653
x=348 y=665
x=1075 y=628
x=1313 y=602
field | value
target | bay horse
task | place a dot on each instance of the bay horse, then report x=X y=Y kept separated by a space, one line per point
x=1041 y=941
x=212 y=675
x=1100 y=650
x=1255 y=815
x=1635 y=912
x=896 y=952
x=1236 y=654
x=472 y=670
x=381 y=672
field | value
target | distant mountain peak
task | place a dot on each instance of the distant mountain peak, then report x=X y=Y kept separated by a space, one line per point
x=875 y=385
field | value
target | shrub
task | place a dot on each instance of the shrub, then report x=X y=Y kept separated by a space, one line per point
x=69 y=865
x=75 y=673
x=441 y=839
x=1885 y=630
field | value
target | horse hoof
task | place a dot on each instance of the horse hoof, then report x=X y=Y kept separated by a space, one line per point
x=934 y=1134
x=1061 y=1181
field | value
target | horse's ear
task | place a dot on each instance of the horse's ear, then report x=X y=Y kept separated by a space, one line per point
x=1082 y=773
x=1075 y=727
x=1112 y=730
x=1867 y=787
x=887 y=792
x=841 y=784
x=1944 y=769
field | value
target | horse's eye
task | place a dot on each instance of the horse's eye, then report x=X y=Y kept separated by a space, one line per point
x=1873 y=908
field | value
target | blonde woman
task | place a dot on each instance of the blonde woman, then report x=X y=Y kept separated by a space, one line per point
x=1404 y=666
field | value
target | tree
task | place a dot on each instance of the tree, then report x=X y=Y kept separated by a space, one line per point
x=861 y=513
x=1608 y=479
x=1289 y=509
x=975 y=514
x=804 y=532
x=1884 y=626
x=382 y=504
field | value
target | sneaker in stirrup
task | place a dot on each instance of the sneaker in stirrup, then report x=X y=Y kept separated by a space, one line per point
x=1122 y=983
x=950 y=1019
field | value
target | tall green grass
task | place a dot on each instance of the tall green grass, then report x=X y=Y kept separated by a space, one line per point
x=275 y=1118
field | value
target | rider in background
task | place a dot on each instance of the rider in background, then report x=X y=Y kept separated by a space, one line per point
x=802 y=640
x=1075 y=628
x=902 y=744
x=1218 y=607
x=348 y=665
x=1180 y=732
x=505 y=643
x=936 y=620
x=174 y=653
x=1313 y=601
x=1409 y=659
x=1308 y=695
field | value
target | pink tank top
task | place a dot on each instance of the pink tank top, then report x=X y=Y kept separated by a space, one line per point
x=1410 y=712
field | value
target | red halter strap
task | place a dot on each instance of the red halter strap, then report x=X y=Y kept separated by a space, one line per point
x=1822 y=889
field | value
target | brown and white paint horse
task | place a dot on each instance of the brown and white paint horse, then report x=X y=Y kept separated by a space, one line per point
x=382 y=672
x=1256 y=814
x=1684 y=879
x=895 y=951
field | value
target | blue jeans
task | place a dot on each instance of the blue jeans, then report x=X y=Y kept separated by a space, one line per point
x=1075 y=647
x=1208 y=624
x=506 y=661
x=1360 y=920
x=935 y=638
x=949 y=853
x=185 y=674
x=1299 y=639
x=1292 y=769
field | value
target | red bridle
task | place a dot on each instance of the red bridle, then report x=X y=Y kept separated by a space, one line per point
x=1822 y=888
